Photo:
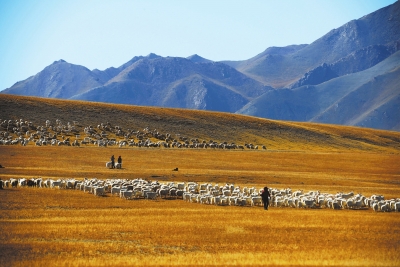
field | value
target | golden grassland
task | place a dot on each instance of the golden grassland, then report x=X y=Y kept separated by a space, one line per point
x=55 y=227
x=361 y=172
x=68 y=228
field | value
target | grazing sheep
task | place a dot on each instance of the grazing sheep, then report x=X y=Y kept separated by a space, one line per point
x=99 y=191
x=151 y=195
x=163 y=192
x=70 y=184
x=54 y=184
x=127 y=194
x=397 y=206
x=115 y=190
x=212 y=194
x=22 y=182
x=256 y=200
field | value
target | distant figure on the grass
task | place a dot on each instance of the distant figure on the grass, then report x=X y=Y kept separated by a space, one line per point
x=265 y=197
x=120 y=162
x=112 y=162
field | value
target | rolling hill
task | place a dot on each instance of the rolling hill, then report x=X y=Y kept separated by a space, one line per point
x=204 y=125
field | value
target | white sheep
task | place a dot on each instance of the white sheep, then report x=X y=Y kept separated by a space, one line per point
x=151 y=195
x=99 y=191
x=256 y=200
x=127 y=194
x=115 y=190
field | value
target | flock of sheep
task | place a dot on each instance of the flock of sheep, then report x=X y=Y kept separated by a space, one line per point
x=14 y=132
x=222 y=195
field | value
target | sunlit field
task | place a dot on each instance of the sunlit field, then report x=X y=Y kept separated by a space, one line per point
x=52 y=227
x=367 y=173
x=66 y=227
x=69 y=227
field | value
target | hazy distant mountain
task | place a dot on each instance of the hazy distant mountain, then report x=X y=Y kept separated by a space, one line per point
x=348 y=76
x=59 y=80
x=106 y=75
x=280 y=69
x=367 y=98
x=178 y=82
x=375 y=104
x=198 y=59
x=357 y=61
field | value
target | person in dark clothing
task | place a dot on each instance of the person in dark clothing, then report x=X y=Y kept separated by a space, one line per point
x=120 y=161
x=112 y=162
x=265 y=195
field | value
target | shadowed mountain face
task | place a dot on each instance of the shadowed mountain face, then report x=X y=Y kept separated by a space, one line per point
x=178 y=82
x=281 y=67
x=366 y=98
x=323 y=81
x=59 y=80
x=357 y=61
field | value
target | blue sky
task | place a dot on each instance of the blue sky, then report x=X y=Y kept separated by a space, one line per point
x=101 y=34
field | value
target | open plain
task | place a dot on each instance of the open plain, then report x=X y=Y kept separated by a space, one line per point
x=60 y=227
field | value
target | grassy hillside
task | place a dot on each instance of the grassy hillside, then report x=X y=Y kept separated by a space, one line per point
x=219 y=127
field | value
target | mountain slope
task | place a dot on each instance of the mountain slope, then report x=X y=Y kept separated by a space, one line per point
x=320 y=103
x=58 y=80
x=357 y=61
x=64 y=80
x=198 y=59
x=279 y=70
x=376 y=103
x=178 y=82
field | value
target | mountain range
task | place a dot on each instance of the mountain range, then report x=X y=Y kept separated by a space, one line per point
x=349 y=76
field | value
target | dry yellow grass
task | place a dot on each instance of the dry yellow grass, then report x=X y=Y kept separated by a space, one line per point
x=68 y=228
x=204 y=125
x=54 y=227
x=367 y=173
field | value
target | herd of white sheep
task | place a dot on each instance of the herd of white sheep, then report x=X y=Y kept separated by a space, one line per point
x=209 y=194
x=13 y=132
x=20 y=132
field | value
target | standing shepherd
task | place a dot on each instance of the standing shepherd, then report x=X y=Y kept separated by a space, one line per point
x=112 y=162
x=120 y=161
x=265 y=195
